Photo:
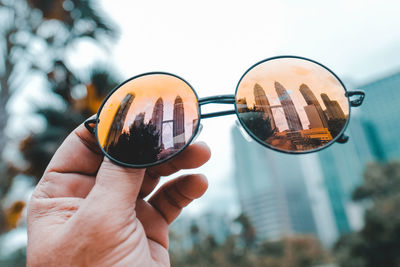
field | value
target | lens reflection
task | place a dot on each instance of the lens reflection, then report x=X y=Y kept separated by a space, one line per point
x=148 y=119
x=292 y=104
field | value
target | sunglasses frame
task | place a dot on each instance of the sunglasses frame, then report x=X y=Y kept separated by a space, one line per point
x=227 y=99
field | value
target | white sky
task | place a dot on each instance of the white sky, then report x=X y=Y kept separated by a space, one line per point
x=212 y=43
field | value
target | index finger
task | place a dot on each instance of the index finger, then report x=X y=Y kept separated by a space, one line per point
x=79 y=153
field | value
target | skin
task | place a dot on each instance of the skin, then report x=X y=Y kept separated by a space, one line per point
x=87 y=211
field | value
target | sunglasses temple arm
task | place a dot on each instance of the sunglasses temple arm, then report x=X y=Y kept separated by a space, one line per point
x=354 y=103
x=90 y=124
x=358 y=101
x=217 y=114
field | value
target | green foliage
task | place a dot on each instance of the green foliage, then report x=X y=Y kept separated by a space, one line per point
x=258 y=124
x=378 y=243
x=34 y=38
x=237 y=251
x=38 y=149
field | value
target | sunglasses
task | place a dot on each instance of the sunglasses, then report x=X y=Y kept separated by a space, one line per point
x=289 y=104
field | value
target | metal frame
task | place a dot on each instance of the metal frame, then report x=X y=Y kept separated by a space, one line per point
x=230 y=99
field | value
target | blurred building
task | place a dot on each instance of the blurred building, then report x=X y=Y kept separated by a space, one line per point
x=374 y=129
x=380 y=115
x=286 y=194
x=272 y=191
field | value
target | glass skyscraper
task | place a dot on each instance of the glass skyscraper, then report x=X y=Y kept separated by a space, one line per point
x=374 y=130
x=271 y=190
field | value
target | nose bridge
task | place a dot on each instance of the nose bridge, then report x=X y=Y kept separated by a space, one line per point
x=218 y=99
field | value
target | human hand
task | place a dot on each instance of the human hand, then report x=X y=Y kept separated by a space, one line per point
x=87 y=211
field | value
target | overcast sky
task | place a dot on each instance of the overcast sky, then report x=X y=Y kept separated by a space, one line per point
x=212 y=43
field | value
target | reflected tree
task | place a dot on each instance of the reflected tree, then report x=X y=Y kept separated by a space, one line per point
x=258 y=124
x=335 y=126
x=139 y=146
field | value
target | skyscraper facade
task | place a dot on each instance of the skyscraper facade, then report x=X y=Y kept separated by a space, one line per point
x=157 y=117
x=310 y=99
x=333 y=109
x=119 y=120
x=373 y=137
x=139 y=119
x=179 y=123
x=273 y=196
x=381 y=114
x=291 y=115
x=262 y=103
x=313 y=117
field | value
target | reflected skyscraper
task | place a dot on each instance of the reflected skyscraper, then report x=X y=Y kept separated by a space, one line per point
x=179 y=123
x=333 y=109
x=313 y=117
x=241 y=105
x=262 y=103
x=119 y=120
x=157 y=117
x=310 y=99
x=292 y=117
x=139 y=119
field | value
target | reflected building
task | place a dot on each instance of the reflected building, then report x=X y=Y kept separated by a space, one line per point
x=262 y=103
x=241 y=105
x=333 y=109
x=313 y=103
x=139 y=119
x=194 y=126
x=313 y=117
x=291 y=115
x=179 y=123
x=157 y=117
x=118 y=122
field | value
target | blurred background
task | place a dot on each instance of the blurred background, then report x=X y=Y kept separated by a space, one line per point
x=337 y=207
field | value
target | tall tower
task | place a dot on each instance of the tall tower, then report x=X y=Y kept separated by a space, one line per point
x=313 y=117
x=179 y=123
x=262 y=103
x=118 y=122
x=139 y=119
x=312 y=100
x=333 y=109
x=292 y=117
x=157 y=117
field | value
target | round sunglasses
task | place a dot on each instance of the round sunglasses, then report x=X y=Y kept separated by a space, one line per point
x=290 y=104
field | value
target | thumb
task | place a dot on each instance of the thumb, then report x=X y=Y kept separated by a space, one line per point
x=116 y=186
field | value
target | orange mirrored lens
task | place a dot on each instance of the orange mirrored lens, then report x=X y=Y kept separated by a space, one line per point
x=148 y=119
x=292 y=104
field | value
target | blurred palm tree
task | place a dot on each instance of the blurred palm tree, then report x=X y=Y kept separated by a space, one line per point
x=38 y=148
x=34 y=38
